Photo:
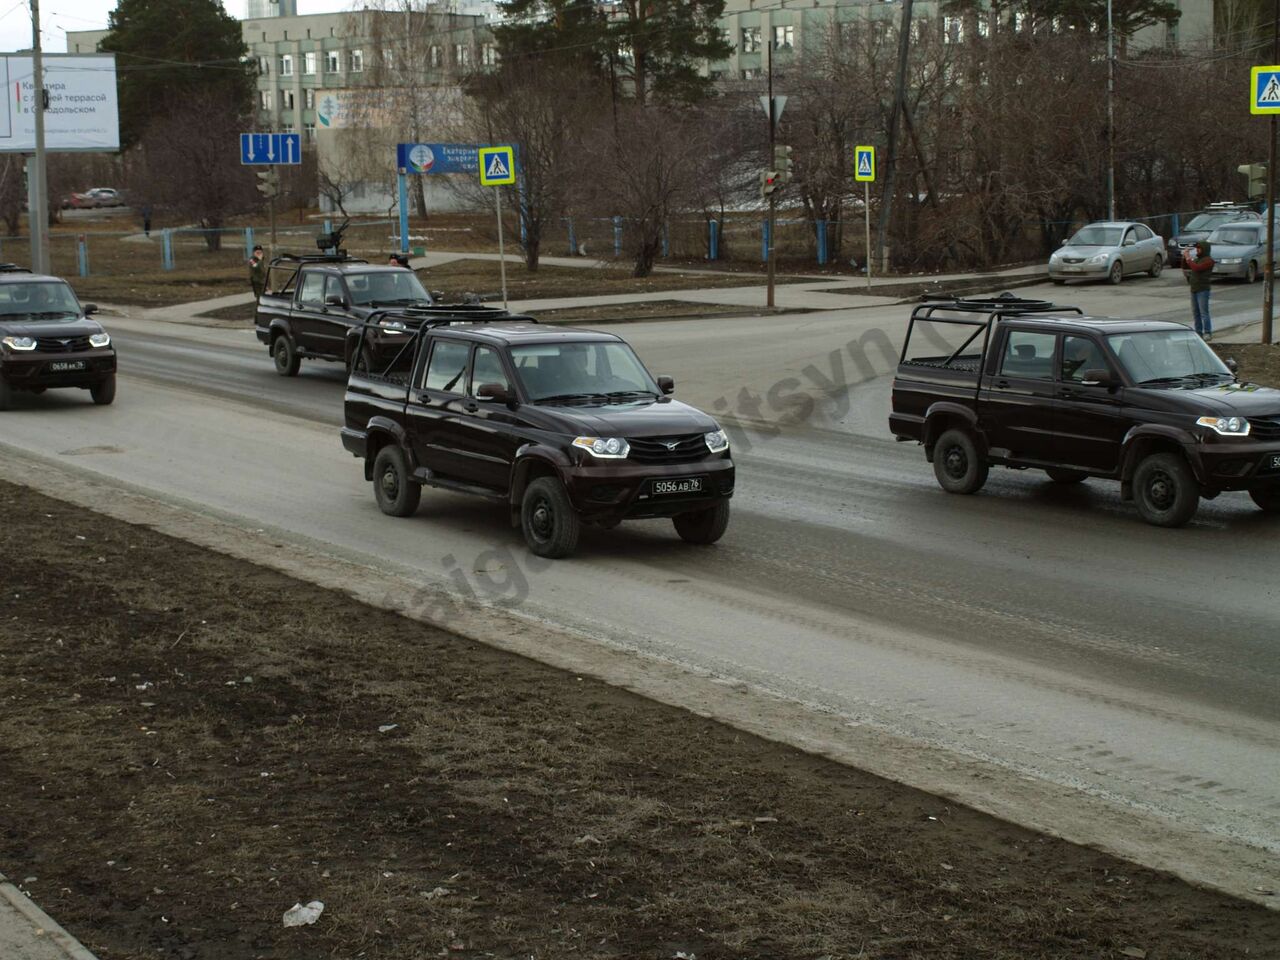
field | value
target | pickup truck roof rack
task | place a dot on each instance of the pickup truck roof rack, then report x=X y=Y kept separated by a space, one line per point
x=12 y=268
x=979 y=313
x=301 y=258
x=442 y=314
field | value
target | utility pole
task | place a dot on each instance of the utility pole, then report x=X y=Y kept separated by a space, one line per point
x=38 y=167
x=1269 y=288
x=1111 y=117
x=891 y=151
x=773 y=197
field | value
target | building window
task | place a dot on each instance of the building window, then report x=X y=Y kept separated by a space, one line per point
x=264 y=99
x=750 y=39
x=437 y=57
x=984 y=26
x=750 y=74
x=309 y=132
x=357 y=61
x=332 y=62
x=784 y=38
x=286 y=128
x=461 y=55
x=286 y=99
x=309 y=64
x=264 y=66
x=389 y=59
x=489 y=55
x=309 y=99
x=952 y=29
x=286 y=65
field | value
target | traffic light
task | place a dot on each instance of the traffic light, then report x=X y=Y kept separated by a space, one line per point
x=782 y=162
x=768 y=182
x=269 y=183
x=1255 y=175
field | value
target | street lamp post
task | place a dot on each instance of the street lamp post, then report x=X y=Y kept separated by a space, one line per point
x=37 y=167
x=1111 y=117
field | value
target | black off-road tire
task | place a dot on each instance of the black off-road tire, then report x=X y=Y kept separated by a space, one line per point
x=104 y=391
x=703 y=526
x=397 y=493
x=1156 y=267
x=1063 y=475
x=550 y=524
x=1165 y=490
x=285 y=356
x=1267 y=498
x=957 y=464
x=1116 y=274
x=6 y=394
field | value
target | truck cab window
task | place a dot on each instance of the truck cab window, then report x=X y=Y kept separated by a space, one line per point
x=312 y=288
x=333 y=288
x=1028 y=356
x=447 y=368
x=487 y=368
x=1078 y=355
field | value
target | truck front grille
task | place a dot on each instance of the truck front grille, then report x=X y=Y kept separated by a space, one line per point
x=683 y=449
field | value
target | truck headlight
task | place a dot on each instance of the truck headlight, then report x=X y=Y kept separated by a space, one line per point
x=606 y=448
x=1226 y=426
x=19 y=343
x=100 y=339
x=717 y=441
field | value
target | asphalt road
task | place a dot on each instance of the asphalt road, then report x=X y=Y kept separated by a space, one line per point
x=1040 y=631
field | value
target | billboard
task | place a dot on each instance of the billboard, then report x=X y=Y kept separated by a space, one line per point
x=83 y=112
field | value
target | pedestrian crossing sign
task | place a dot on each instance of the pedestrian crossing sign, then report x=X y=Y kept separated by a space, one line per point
x=497 y=166
x=1265 y=90
x=864 y=164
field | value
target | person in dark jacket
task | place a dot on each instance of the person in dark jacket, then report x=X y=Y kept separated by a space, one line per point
x=1197 y=267
x=258 y=272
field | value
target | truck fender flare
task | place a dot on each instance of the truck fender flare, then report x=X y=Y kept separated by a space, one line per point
x=279 y=326
x=384 y=427
x=1137 y=439
x=529 y=457
x=949 y=409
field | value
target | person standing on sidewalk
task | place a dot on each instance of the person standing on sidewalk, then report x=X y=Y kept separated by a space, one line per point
x=1197 y=267
x=258 y=272
x=146 y=219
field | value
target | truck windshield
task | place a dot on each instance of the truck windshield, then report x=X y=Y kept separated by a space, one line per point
x=386 y=287
x=1097 y=237
x=38 y=300
x=1166 y=356
x=582 y=373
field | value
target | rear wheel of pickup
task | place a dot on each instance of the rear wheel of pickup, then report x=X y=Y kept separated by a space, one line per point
x=1061 y=475
x=1117 y=273
x=1267 y=498
x=104 y=391
x=1165 y=490
x=957 y=464
x=397 y=493
x=703 y=526
x=285 y=356
x=551 y=526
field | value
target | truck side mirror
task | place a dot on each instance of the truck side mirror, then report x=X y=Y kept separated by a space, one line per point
x=1232 y=365
x=666 y=385
x=333 y=300
x=90 y=309
x=1100 y=377
x=494 y=392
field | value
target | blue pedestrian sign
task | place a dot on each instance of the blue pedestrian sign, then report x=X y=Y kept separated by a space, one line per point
x=271 y=149
x=1264 y=90
x=864 y=164
x=497 y=166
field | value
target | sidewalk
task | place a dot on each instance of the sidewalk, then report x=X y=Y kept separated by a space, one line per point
x=28 y=933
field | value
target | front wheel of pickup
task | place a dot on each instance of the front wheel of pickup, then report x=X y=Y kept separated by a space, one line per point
x=551 y=526
x=1165 y=490
x=1267 y=498
x=6 y=393
x=957 y=464
x=104 y=391
x=285 y=356
x=703 y=526
x=397 y=493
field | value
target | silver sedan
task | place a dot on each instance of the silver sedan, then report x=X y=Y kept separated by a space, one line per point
x=1108 y=250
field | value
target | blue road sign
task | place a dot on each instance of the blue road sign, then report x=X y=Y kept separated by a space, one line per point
x=864 y=164
x=1264 y=90
x=271 y=149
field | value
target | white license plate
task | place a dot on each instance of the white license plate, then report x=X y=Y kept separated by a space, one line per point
x=668 y=487
x=66 y=366
x=1275 y=462
x=1073 y=269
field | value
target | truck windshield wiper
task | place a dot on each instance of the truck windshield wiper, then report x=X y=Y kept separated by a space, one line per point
x=1155 y=380
x=620 y=394
x=571 y=397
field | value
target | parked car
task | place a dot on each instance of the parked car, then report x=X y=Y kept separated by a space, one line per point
x=95 y=197
x=1204 y=223
x=1031 y=385
x=48 y=339
x=1108 y=250
x=561 y=426
x=1239 y=250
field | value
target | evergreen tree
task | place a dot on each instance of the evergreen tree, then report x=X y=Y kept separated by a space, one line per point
x=168 y=51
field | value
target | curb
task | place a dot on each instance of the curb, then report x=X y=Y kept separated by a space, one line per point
x=45 y=932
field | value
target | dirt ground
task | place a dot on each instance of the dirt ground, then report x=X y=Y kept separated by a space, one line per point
x=191 y=744
x=1258 y=362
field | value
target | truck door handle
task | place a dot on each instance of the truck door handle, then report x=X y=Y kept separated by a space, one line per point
x=471 y=406
x=1002 y=384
